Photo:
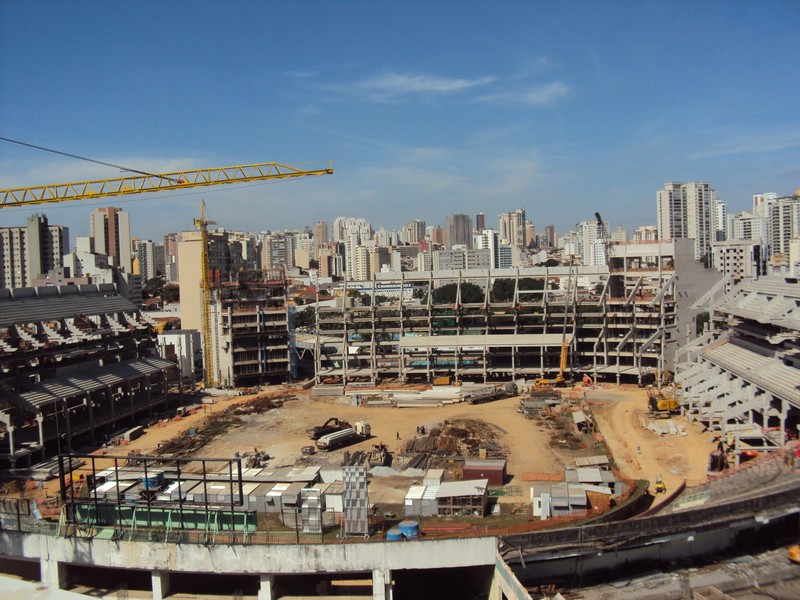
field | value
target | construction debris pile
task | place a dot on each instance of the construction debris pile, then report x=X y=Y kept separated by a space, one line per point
x=379 y=456
x=535 y=402
x=191 y=441
x=457 y=438
x=561 y=432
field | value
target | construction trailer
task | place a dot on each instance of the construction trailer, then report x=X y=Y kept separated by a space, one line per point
x=494 y=471
x=468 y=498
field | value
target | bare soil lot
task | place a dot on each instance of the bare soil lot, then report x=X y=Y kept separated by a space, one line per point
x=530 y=446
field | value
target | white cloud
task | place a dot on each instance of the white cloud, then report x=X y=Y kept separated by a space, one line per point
x=749 y=144
x=543 y=95
x=398 y=84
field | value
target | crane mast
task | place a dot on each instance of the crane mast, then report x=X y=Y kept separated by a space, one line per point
x=205 y=284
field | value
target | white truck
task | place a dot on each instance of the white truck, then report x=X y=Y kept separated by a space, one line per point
x=359 y=432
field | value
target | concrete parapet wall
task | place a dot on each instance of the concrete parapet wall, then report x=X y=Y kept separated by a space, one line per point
x=612 y=533
x=276 y=559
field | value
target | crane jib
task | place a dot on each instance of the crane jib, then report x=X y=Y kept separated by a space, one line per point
x=139 y=184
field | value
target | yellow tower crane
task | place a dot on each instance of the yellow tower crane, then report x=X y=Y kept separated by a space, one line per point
x=145 y=182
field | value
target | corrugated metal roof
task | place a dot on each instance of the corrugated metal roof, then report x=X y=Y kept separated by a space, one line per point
x=431 y=492
x=577 y=495
x=578 y=417
x=470 y=487
x=591 y=461
x=485 y=464
x=437 y=474
x=416 y=492
x=598 y=489
x=589 y=475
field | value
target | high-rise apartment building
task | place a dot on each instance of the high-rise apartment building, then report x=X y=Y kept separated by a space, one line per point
x=110 y=228
x=511 y=227
x=762 y=202
x=784 y=223
x=488 y=239
x=590 y=244
x=530 y=234
x=458 y=231
x=29 y=251
x=645 y=233
x=435 y=234
x=414 y=232
x=686 y=210
x=550 y=235
x=480 y=221
x=320 y=235
x=171 y=256
x=146 y=259
x=720 y=221
x=277 y=250
x=749 y=226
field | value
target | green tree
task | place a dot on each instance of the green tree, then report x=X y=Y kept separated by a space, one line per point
x=305 y=318
x=447 y=293
x=503 y=289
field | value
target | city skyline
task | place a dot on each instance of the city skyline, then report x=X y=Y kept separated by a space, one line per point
x=561 y=110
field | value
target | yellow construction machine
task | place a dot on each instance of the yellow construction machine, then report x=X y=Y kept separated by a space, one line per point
x=794 y=553
x=662 y=404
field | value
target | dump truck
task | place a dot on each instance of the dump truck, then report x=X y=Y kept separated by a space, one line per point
x=662 y=404
x=351 y=435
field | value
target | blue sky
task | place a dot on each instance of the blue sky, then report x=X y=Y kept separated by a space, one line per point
x=425 y=109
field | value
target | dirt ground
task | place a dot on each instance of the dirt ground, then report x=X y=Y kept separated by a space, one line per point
x=641 y=453
x=528 y=443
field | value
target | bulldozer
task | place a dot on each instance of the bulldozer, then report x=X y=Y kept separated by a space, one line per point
x=661 y=488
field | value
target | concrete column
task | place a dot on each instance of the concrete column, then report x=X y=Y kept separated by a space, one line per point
x=160 y=584
x=10 y=429
x=495 y=592
x=381 y=584
x=265 y=591
x=40 y=423
x=53 y=573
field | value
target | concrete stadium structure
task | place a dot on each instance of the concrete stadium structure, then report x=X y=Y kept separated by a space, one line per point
x=75 y=361
x=619 y=322
x=742 y=377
